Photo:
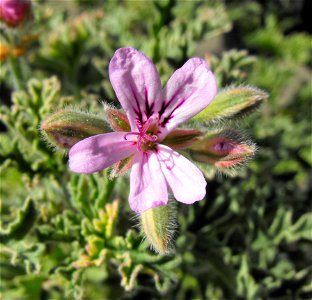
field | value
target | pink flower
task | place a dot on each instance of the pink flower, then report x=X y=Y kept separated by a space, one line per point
x=153 y=113
x=13 y=12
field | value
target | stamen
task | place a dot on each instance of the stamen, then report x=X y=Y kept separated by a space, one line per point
x=151 y=138
x=139 y=147
x=138 y=124
x=147 y=124
x=131 y=133
x=143 y=137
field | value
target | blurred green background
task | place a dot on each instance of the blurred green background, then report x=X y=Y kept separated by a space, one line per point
x=249 y=239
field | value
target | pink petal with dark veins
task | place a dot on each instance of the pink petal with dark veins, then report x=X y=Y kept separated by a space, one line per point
x=188 y=91
x=186 y=181
x=136 y=83
x=148 y=188
x=98 y=152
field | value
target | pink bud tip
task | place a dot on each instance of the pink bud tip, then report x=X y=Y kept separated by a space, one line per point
x=223 y=146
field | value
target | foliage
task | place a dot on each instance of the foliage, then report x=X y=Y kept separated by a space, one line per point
x=72 y=236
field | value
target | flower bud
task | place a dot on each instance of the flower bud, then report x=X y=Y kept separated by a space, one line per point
x=232 y=103
x=65 y=128
x=14 y=12
x=158 y=226
x=222 y=150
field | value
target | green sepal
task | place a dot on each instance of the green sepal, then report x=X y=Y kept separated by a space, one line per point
x=122 y=166
x=181 y=138
x=232 y=103
x=67 y=127
x=117 y=120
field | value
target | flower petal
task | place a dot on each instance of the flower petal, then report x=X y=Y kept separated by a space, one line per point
x=148 y=186
x=99 y=152
x=136 y=83
x=188 y=91
x=186 y=181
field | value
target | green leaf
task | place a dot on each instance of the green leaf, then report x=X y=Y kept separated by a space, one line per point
x=302 y=229
x=24 y=221
x=82 y=192
x=129 y=272
x=246 y=285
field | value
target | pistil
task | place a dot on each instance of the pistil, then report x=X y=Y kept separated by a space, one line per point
x=144 y=140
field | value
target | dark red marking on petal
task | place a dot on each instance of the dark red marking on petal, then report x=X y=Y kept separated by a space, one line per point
x=162 y=109
x=166 y=120
x=179 y=104
x=166 y=104
x=148 y=108
x=170 y=116
x=137 y=111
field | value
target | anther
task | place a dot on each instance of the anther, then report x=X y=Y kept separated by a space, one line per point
x=151 y=138
x=138 y=124
x=131 y=133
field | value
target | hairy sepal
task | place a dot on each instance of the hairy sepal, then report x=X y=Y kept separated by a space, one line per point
x=117 y=120
x=232 y=103
x=66 y=127
x=181 y=138
x=122 y=167
x=158 y=226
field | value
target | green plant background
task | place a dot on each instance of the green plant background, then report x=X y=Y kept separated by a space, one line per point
x=249 y=239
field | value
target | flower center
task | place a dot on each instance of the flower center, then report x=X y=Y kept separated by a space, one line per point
x=145 y=141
